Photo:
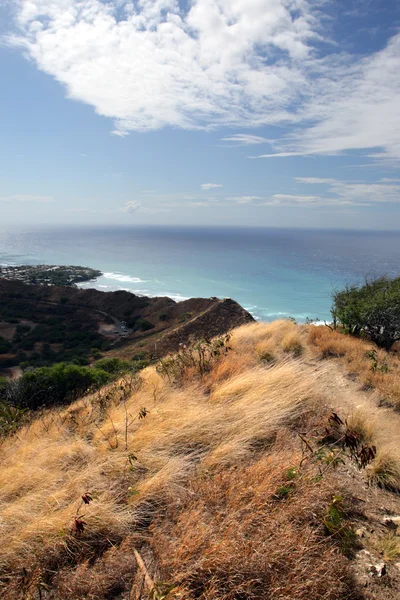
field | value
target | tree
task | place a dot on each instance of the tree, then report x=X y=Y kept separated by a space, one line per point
x=372 y=309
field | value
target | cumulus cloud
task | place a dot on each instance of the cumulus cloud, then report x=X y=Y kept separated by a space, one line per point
x=210 y=186
x=197 y=65
x=131 y=207
x=153 y=63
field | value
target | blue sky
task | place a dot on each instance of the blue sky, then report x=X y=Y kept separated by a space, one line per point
x=209 y=112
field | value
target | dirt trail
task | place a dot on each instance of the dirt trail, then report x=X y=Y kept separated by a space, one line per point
x=346 y=395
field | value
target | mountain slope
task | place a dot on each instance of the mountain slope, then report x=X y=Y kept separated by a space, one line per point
x=212 y=473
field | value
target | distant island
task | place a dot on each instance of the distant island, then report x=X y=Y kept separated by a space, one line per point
x=50 y=274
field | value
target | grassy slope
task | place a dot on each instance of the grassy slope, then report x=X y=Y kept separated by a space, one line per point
x=202 y=486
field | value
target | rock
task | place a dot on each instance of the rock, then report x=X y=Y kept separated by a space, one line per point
x=378 y=570
x=370 y=565
x=392 y=522
x=360 y=532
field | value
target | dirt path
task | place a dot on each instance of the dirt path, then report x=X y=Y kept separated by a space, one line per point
x=346 y=396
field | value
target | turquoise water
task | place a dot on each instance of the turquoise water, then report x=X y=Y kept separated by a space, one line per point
x=271 y=272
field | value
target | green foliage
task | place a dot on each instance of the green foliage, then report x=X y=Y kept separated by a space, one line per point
x=333 y=520
x=11 y=417
x=143 y=325
x=372 y=309
x=163 y=317
x=114 y=366
x=48 y=386
x=375 y=366
x=335 y=525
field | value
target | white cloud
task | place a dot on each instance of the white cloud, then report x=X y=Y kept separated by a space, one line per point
x=27 y=198
x=278 y=155
x=314 y=180
x=154 y=63
x=244 y=63
x=210 y=186
x=244 y=199
x=131 y=207
x=295 y=199
x=243 y=139
x=359 y=192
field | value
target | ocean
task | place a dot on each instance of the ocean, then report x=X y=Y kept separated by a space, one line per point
x=273 y=273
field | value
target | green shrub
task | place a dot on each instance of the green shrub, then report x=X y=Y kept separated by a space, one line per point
x=113 y=365
x=143 y=325
x=60 y=383
x=371 y=310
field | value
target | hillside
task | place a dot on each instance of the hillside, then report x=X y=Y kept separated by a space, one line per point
x=41 y=325
x=259 y=466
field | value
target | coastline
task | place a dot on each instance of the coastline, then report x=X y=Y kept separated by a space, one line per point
x=273 y=274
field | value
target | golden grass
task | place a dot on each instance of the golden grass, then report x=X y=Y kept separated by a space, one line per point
x=352 y=353
x=279 y=547
x=385 y=470
x=202 y=466
x=389 y=546
x=46 y=468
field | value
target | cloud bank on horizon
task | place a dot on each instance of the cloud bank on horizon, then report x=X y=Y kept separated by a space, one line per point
x=200 y=65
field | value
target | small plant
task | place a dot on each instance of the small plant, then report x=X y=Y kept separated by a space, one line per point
x=291 y=319
x=335 y=525
x=338 y=442
x=198 y=357
x=373 y=356
x=78 y=524
x=284 y=491
x=333 y=520
x=11 y=418
x=288 y=487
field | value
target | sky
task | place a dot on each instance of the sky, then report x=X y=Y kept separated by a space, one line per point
x=276 y=113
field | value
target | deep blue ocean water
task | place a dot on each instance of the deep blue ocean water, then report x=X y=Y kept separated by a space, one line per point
x=271 y=272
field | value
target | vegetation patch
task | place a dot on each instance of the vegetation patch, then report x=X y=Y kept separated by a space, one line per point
x=371 y=310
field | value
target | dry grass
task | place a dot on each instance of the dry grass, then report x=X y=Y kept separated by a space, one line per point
x=202 y=467
x=279 y=547
x=385 y=470
x=353 y=354
x=389 y=546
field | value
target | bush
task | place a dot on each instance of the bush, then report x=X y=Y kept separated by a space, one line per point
x=114 y=365
x=372 y=309
x=143 y=325
x=60 y=383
